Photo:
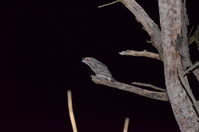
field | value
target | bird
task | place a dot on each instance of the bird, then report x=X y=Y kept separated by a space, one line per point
x=100 y=69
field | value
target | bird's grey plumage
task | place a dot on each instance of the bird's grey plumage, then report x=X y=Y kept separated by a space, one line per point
x=98 y=68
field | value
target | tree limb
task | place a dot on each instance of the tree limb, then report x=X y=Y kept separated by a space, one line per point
x=149 y=25
x=148 y=85
x=143 y=53
x=195 y=36
x=189 y=92
x=104 y=77
x=133 y=89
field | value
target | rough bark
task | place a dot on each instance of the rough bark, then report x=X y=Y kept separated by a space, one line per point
x=172 y=29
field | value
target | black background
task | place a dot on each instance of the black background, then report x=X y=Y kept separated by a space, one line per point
x=42 y=47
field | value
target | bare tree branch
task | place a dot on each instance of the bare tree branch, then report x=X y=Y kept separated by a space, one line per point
x=196 y=73
x=104 y=77
x=196 y=65
x=140 y=53
x=133 y=89
x=189 y=92
x=148 y=85
x=149 y=25
x=108 y=4
x=195 y=36
x=172 y=45
x=141 y=16
x=189 y=35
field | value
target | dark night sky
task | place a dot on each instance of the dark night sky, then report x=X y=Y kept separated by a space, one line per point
x=43 y=44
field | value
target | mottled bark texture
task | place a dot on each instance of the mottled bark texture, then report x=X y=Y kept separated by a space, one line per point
x=176 y=58
x=172 y=45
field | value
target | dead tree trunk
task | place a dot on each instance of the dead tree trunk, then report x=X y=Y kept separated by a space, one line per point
x=172 y=45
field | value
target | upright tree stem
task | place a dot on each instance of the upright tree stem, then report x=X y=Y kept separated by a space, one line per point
x=172 y=35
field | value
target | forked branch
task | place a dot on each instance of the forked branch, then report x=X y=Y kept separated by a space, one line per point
x=141 y=16
x=103 y=76
x=149 y=25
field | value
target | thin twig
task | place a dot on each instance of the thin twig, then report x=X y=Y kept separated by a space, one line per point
x=148 y=85
x=108 y=4
x=196 y=65
x=195 y=36
x=126 y=124
x=150 y=41
x=188 y=91
x=190 y=33
x=140 y=53
x=71 y=113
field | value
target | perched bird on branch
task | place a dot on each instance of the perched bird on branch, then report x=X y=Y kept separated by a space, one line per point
x=98 y=68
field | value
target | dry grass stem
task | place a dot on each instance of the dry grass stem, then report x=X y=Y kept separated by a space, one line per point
x=71 y=113
x=126 y=124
